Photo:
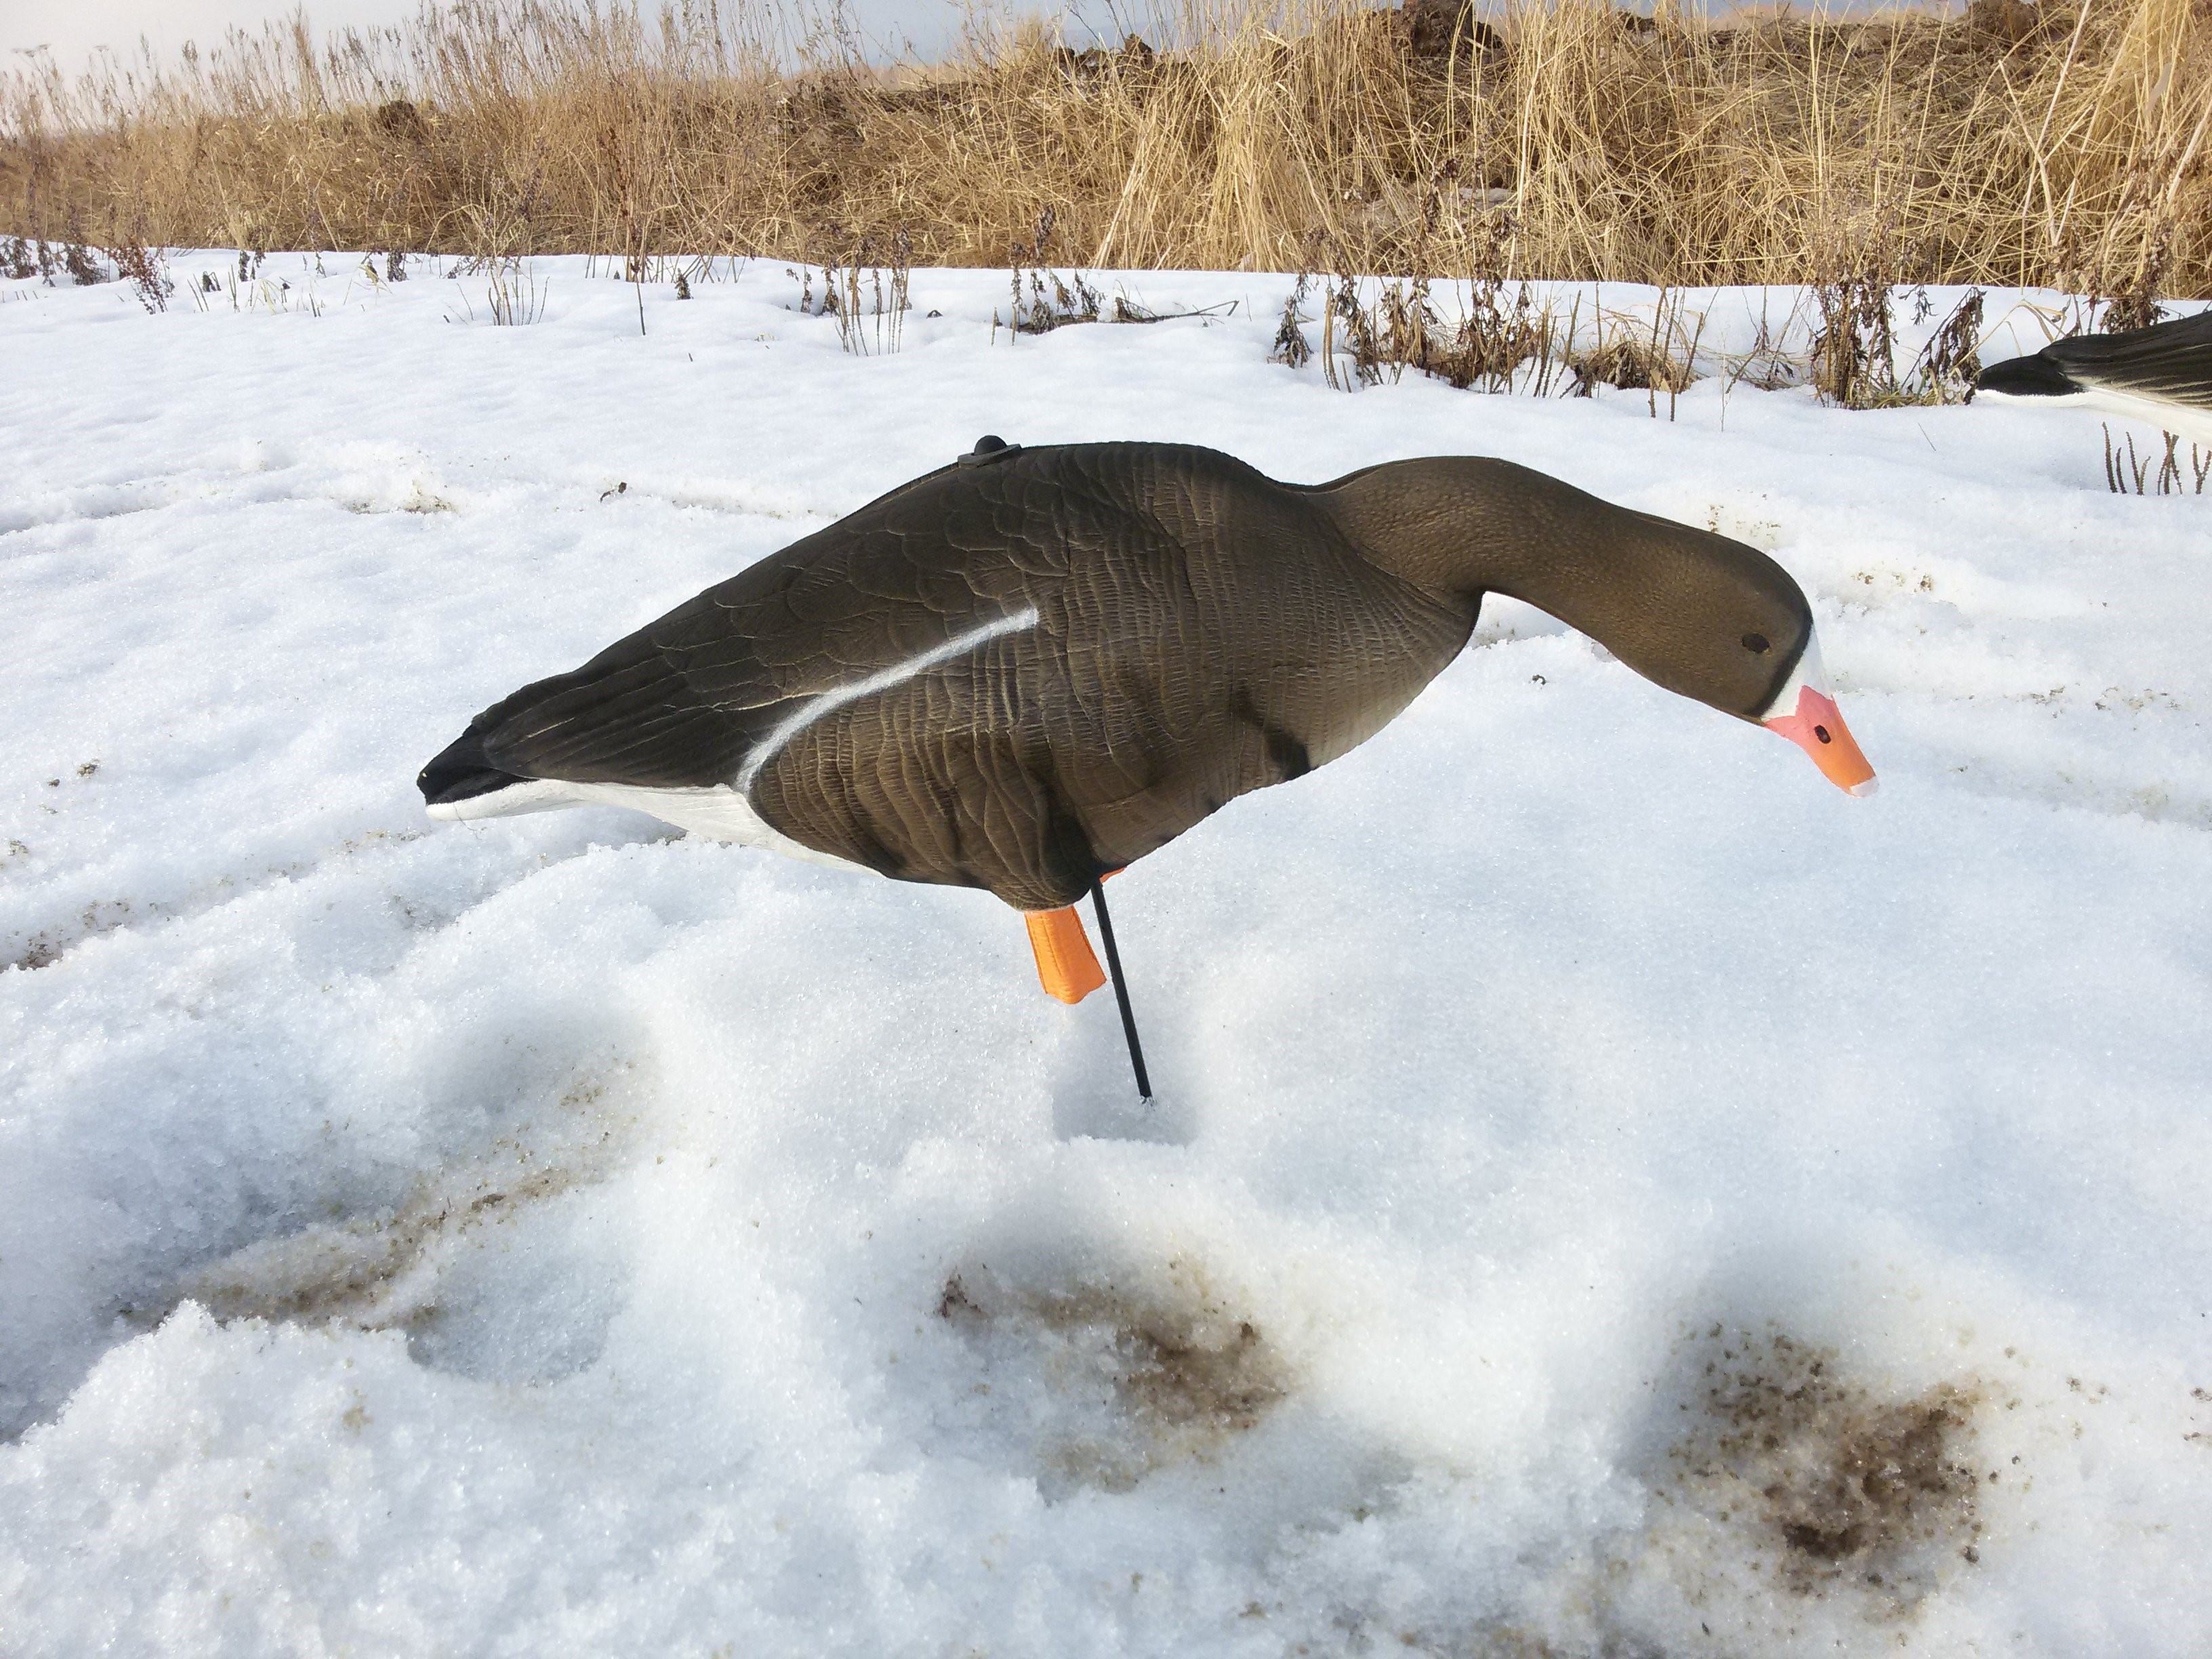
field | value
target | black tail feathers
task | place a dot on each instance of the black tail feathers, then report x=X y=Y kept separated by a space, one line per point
x=2027 y=376
x=460 y=771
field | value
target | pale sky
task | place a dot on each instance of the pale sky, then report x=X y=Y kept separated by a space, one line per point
x=72 y=30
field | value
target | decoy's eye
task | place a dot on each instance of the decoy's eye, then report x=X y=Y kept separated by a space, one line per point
x=1755 y=643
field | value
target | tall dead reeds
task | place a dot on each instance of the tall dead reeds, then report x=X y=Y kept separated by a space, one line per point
x=2062 y=143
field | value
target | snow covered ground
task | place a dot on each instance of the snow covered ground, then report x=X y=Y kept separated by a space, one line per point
x=1611 y=1194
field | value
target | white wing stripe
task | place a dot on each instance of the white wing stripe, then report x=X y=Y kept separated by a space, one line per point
x=882 y=680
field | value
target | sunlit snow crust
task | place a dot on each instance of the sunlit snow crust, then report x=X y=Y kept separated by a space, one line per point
x=1610 y=1193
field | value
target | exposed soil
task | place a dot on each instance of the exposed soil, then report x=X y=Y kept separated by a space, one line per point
x=1142 y=1375
x=1842 y=1482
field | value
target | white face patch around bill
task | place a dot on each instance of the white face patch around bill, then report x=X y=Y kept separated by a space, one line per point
x=1809 y=671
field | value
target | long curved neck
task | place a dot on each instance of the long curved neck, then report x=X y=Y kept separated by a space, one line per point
x=1464 y=526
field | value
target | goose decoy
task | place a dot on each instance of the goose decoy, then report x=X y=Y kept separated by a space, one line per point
x=1026 y=670
x=2161 y=374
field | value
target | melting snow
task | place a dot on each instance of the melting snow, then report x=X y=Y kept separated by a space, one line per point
x=1611 y=1194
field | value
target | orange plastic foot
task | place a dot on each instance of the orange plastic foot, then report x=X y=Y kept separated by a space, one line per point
x=1066 y=967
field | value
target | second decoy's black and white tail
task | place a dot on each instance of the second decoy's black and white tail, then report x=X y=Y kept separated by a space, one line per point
x=2161 y=375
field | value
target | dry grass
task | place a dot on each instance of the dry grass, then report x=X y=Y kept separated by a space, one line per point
x=2064 y=145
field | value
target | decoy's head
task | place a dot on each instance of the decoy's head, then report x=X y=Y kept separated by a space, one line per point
x=1698 y=613
x=1731 y=630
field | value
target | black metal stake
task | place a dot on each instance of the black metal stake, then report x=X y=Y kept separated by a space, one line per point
x=1121 y=990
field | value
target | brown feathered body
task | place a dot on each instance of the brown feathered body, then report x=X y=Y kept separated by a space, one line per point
x=1014 y=673
x=1035 y=666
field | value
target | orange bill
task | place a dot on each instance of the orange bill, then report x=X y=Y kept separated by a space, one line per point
x=1816 y=726
x=1065 y=966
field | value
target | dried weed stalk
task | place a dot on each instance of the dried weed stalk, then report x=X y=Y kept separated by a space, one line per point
x=866 y=287
x=1037 y=309
x=2123 y=468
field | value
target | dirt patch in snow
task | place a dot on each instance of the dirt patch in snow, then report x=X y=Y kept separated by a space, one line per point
x=381 y=1269
x=371 y=1270
x=1838 y=1482
x=49 y=944
x=1120 y=1376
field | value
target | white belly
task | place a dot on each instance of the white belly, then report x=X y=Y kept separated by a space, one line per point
x=718 y=813
x=2191 y=423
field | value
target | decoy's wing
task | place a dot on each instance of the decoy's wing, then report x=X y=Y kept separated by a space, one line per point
x=1015 y=674
x=1095 y=647
x=668 y=706
x=979 y=665
x=2170 y=362
x=691 y=699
